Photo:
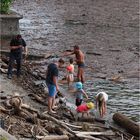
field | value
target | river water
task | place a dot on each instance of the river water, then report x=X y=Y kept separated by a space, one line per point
x=122 y=97
x=108 y=28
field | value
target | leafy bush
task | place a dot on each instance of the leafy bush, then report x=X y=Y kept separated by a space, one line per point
x=3 y=138
x=5 y=6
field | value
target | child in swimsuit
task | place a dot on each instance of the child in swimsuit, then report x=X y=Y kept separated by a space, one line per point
x=79 y=93
x=70 y=72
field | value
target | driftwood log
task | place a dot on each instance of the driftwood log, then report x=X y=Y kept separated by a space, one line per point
x=54 y=137
x=87 y=137
x=106 y=133
x=2 y=109
x=126 y=123
x=38 y=99
x=48 y=117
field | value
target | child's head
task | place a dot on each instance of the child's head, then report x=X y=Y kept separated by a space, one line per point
x=79 y=85
x=71 y=60
x=60 y=62
x=100 y=97
x=90 y=105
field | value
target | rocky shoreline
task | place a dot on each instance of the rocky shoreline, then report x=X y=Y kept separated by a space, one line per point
x=27 y=120
x=107 y=32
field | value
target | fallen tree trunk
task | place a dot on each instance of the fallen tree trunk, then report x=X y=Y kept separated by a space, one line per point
x=126 y=123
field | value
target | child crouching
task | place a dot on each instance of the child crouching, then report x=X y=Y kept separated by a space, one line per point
x=101 y=99
x=85 y=108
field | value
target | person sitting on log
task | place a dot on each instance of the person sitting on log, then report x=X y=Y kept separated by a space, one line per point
x=79 y=93
x=101 y=99
x=85 y=108
x=70 y=72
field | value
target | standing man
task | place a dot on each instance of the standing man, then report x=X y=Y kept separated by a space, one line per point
x=17 y=45
x=80 y=60
x=51 y=81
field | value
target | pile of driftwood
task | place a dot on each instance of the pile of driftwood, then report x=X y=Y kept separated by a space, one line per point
x=19 y=116
x=42 y=125
x=23 y=120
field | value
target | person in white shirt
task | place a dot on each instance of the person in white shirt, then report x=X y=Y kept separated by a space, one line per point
x=101 y=99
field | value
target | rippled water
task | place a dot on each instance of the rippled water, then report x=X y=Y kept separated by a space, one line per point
x=97 y=26
x=123 y=98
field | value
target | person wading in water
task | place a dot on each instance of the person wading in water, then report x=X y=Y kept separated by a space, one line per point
x=80 y=60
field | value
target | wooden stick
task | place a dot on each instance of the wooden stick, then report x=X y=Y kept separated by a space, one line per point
x=90 y=125
x=122 y=136
x=32 y=132
x=132 y=138
x=106 y=133
x=88 y=137
x=53 y=137
x=9 y=127
x=74 y=126
x=116 y=129
x=42 y=131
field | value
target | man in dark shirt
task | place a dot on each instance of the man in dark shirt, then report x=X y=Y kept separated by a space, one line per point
x=17 y=45
x=51 y=81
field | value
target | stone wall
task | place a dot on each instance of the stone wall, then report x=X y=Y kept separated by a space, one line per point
x=9 y=28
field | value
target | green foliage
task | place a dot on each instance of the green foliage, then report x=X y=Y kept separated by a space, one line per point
x=3 y=138
x=5 y=6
